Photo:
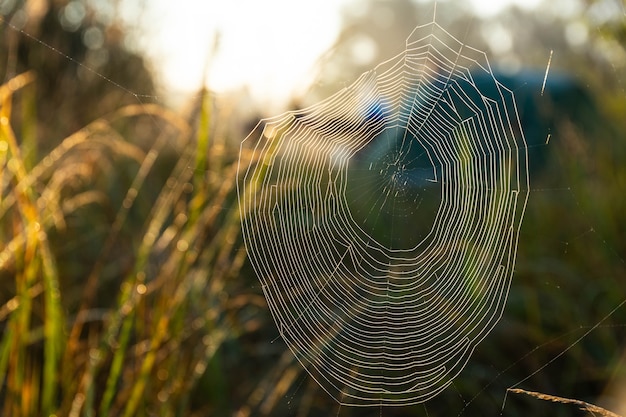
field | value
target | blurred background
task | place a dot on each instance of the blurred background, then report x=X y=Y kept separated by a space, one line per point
x=124 y=283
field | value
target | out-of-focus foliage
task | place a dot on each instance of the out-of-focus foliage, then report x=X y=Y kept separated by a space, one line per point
x=76 y=84
x=119 y=267
x=119 y=247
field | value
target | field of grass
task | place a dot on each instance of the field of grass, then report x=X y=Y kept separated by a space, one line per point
x=120 y=254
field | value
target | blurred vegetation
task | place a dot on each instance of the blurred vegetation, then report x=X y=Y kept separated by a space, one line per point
x=125 y=289
x=77 y=81
x=118 y=230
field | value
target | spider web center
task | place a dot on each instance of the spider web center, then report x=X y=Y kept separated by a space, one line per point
x=394 y=190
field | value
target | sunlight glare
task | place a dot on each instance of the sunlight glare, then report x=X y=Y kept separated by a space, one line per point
x=485 y=8
x=270 y=48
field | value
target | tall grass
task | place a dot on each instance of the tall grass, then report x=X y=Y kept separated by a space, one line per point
x=116 y=250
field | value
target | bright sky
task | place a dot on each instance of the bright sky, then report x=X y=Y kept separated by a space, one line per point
x=269 y=46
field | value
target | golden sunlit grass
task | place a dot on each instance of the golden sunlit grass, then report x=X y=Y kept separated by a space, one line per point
x=113 y=287
x=584 y=406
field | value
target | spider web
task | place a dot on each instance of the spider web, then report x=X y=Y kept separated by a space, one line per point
x=383 y=222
